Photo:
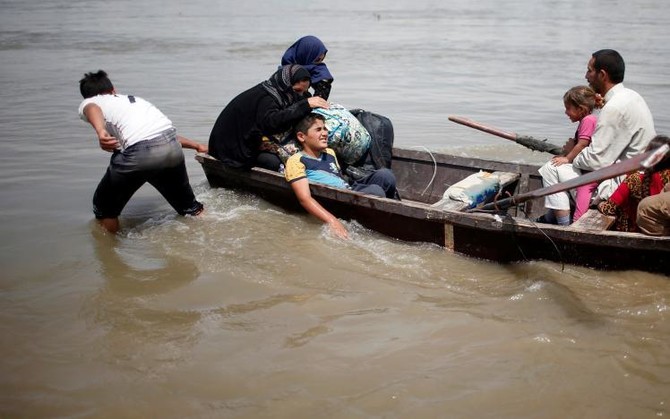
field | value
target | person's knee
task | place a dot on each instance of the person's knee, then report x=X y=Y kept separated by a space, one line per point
x=385 y=177
x=370 y=189
x=547 y=171
x=653 y=216
x=268 y=161
x=388 y=173
x=376 y=190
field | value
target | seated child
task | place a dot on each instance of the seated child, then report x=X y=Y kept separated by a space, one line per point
x=579 y=102
x=317 y=163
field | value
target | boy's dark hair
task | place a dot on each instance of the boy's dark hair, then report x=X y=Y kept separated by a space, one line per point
x=307 y=122
x=610 y=61
x=94 y=84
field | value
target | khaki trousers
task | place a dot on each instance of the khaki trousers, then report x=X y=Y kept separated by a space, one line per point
x=653 y=214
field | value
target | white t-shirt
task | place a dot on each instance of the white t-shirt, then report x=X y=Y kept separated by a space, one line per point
x=130 y=119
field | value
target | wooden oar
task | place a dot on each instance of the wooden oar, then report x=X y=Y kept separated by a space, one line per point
x=640 y=161
x=530 y=142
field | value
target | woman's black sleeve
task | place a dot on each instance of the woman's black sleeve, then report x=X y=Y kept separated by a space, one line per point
x=322 y=88
x=274 y=120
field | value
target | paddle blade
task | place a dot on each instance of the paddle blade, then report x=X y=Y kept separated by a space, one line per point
x=524 y=140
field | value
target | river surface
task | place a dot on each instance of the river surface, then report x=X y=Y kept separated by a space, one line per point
x=252 y=312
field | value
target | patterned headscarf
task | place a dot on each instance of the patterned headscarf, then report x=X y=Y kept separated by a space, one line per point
x=304 y=51
x=280 y=84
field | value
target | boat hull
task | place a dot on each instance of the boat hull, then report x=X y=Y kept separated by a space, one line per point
x=422 y=179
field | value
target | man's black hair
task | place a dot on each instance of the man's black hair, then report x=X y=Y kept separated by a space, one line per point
x=94 y=84
x=610 y=61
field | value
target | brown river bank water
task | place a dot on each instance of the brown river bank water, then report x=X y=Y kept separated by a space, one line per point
x=250 y=311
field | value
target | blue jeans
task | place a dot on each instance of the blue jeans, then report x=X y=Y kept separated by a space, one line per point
x=159 y=161
x=381 y=183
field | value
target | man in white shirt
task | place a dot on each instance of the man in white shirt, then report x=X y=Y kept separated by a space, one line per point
x=145 y=147
x=625 y=127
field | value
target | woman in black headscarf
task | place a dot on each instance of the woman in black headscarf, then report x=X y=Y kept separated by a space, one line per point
x=268 y=110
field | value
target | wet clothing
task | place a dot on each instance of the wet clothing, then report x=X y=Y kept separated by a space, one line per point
x=128 y=118
x=159 y=161
x=149 y=151
x=268 y=109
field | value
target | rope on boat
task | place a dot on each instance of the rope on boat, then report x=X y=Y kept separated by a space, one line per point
x=560 y=255
x=504 y=213
x=495 y=211
x=434 y=167
x=495 y=198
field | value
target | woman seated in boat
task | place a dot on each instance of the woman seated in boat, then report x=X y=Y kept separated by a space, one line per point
x=623 y=203
x=317 y=163
x=310 y=52
x=247 y=131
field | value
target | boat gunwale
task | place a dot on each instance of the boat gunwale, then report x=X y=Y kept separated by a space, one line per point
x=425 y=212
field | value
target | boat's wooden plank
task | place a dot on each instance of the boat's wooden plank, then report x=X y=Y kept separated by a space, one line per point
x=593 y=220
x=525 y=208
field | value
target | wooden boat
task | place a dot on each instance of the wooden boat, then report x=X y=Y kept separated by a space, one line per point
x=423 y=215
